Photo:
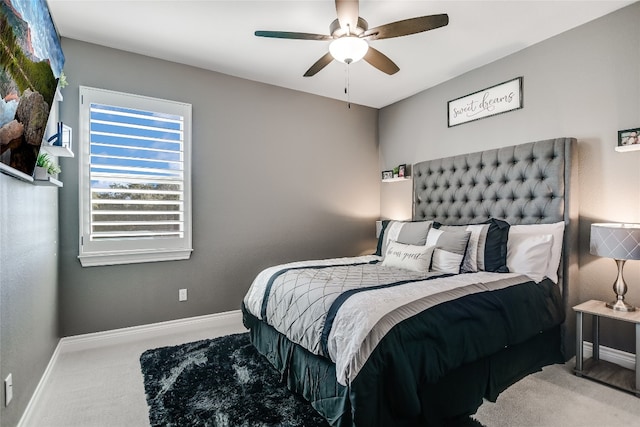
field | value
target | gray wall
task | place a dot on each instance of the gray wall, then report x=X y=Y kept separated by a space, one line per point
x=278 y=175
x=584 y=83
x=28 y=288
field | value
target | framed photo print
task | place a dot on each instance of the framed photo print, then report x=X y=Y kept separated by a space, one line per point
x=402 y=171
x=628 y=140
x=387 y=174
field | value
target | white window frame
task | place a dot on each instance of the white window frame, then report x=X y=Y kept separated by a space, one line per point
x=129 y=251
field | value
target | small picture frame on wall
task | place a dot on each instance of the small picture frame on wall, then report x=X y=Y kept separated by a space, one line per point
x=628 y=140
x=387 y=174
x=402 y=171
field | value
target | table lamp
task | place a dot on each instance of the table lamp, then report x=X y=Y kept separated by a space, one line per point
x=620 y=242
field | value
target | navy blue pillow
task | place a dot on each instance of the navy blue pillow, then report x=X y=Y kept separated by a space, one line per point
x=495 y=248
x=385 y=222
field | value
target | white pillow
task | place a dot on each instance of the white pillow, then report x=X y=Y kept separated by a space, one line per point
x=529 y=254
x=446 y=262
x=409 y=257
x=557 y=231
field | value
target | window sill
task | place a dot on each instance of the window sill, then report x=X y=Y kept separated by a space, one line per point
x=117 y=258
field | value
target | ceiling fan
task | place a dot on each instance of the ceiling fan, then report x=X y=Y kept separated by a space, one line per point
x=350 y=33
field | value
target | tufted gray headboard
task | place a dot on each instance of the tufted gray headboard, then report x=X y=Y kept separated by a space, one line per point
x=522 y=184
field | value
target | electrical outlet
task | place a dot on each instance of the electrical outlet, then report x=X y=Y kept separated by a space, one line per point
x=8 y=389
x=182 y=295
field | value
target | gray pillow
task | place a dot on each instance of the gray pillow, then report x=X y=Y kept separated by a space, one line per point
x=407 y=232
x=451 y=247
x=474 y=257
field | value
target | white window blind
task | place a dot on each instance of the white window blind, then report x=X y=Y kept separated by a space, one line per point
x=135 y=194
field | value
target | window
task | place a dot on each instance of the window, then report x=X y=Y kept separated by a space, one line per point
x=135 y=180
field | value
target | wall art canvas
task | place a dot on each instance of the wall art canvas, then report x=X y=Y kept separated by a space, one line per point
x=31 y=62
x=488 y=102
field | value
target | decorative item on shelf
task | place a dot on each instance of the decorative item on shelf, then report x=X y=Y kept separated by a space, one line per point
x=62 y=81
x=60 y=144
x=45 y=167
x=398 y=173
x=62 y=138
x=628 y=140
x=620 y=242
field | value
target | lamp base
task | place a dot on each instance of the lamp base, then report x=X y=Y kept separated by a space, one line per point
x=620 y=305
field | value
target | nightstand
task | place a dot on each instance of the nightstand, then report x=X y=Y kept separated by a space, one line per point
x=601 y=370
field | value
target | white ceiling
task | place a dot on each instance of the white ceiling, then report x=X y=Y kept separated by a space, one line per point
x=218 y=35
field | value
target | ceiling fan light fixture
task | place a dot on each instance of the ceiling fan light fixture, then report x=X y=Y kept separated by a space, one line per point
x=348 y=49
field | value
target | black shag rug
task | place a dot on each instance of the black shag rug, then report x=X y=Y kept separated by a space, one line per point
x=223 y=382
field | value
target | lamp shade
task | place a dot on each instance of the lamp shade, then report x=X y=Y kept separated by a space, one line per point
x=348 y=49
x=617 y=241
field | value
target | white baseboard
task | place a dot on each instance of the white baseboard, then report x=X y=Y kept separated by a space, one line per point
x=124 y=335
x=25 y=420
x=622 y=358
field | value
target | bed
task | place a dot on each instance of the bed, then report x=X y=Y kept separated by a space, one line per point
x=400 y=338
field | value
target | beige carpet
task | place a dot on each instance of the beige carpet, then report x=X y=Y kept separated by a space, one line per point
x=556 y=397
x=103 y=386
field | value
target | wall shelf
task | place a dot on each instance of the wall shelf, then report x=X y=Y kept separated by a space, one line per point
x=50 y=182
x=56 y=133
x=623 y=148
x=56 y=150
x=404 y=178
x=15 y=173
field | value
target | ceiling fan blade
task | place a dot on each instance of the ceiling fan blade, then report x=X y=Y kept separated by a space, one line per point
x=380 y=61
x=319 y=65
x=348 y=12
x=406 y=27
x=290 y=35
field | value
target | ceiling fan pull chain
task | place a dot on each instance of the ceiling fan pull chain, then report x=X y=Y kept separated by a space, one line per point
x=347 y=88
